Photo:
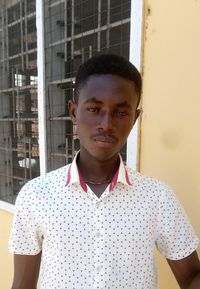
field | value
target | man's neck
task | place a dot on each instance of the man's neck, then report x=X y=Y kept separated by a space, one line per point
x=97 y=171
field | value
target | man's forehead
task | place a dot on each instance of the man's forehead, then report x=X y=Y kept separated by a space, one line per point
x=99 y=87
x=100 y=101
x=96 y=79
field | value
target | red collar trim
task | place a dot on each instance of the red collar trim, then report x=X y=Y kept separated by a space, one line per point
x=68 y=176
x=82 y=183
x=127 y=177
x=112 y=184
x=114 y=181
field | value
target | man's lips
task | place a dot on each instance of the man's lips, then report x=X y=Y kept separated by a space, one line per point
x=104 y=139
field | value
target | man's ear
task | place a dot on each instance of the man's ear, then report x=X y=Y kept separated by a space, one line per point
x=72 y=107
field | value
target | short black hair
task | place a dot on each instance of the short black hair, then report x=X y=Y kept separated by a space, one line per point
x=107 y=64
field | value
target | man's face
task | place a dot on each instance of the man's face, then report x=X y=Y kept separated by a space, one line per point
x=105 y=114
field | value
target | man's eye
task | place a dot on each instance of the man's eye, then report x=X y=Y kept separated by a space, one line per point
x=92 y=109
x=122 y=113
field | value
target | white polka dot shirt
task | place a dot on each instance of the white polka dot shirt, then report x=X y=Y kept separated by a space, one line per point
x=99 y=243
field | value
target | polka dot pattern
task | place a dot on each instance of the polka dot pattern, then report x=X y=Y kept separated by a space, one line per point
x=106 y=242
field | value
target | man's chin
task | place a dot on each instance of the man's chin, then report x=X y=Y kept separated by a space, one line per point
x=100 y=153
x=104 y=155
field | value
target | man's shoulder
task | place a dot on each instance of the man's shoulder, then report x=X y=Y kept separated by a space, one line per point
x=146 y=182
x=140 y=177
x=44 y=183
x=55 y=175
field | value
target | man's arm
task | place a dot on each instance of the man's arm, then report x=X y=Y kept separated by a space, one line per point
x=26 y=271
x=187 y=271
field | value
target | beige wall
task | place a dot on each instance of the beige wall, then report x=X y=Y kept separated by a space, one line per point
x=170 y=128
x=6 y=259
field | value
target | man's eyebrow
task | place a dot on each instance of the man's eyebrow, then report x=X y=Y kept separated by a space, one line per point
x=94 y=100
x=124 y=104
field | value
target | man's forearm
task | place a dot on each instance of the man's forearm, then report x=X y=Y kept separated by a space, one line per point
x=195 y=284
x=18 y=287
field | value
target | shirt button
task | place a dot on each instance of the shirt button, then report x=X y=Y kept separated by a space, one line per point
x=98 y=205
x=98 y=269
x=98 y=234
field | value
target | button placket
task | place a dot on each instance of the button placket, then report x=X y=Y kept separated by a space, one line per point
x=99 y=245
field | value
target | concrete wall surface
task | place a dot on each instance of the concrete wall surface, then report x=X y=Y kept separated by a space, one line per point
x=170 y=126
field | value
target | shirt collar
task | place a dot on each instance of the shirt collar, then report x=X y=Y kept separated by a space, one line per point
x=73 y=175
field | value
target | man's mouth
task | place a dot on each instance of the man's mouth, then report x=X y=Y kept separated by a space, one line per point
x=104 y=141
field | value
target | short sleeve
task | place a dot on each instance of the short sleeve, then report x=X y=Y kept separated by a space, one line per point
x=175 y=236
x=25 y=237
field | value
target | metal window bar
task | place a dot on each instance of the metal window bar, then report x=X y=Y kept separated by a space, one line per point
x=19 y=157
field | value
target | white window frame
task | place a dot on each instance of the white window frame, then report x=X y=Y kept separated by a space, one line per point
x=135 y=57
x=41 y=86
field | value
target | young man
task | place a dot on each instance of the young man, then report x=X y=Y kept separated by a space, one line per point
x=95 y=223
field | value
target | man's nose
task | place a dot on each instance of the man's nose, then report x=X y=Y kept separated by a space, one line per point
x=106 y=122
